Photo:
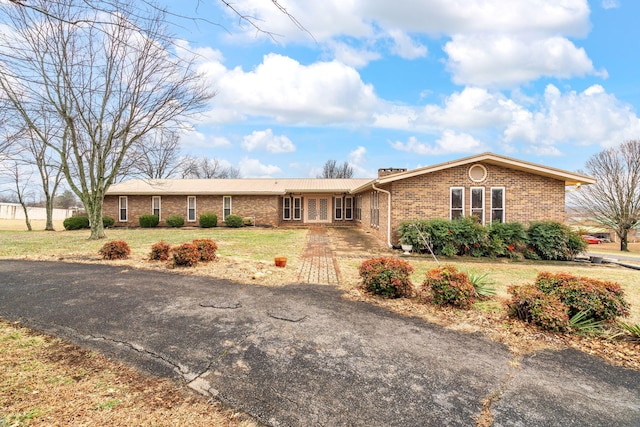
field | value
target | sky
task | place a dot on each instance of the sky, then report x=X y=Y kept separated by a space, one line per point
x=411 y=83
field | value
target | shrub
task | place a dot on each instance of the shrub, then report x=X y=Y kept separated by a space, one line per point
x=206 y=248
x=247 y=220
x=76 y=223
x=531 y=305
x=115 y=249
x=507 y=239
x=554 y=241
x=386 y=276
x=233 y=221
x=185 y=255
x=448 y=286
x=470 y=237
x=108 y=221
x=160 y=251
x=598 y=300
x=208 y=220
x=148 y=221
x=175 y=221
x=482 y=284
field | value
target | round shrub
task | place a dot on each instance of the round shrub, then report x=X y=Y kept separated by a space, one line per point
x=160 y=251
x=387 y=276
x=554 y=241
x=185 y=255
x=108 y=221
x=115 y=249
x=448 y=286
x=208 y=220
x=207 y=249
x=175 y=221
x=76 y=223
x=234 y=221
x=148 y=221
x=530 y=304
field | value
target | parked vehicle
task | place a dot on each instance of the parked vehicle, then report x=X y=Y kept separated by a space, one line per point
x=591 y=240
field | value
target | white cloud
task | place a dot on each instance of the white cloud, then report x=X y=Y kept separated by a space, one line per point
x=449 y=142
x=357 y=156
x=351 y=56
x=507 y=61
x=405 y=47
x=253 y=168
x=266 y=140
x=282 y=88
x=610 y=4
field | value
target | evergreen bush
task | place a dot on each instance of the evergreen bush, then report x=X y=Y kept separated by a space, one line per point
x=386 y=276
x=448 y=286
x=233 y=221
x=185 y=255
x=115 y=249
x=148 y=221
x=207 y=249
x=160 y=251
x=208 y=220
x=76 y=223
x=175 y=221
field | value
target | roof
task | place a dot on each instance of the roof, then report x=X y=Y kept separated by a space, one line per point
x=230 y=187
x=569 y=178
x=280 y=186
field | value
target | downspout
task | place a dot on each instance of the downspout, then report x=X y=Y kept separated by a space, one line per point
x=388 y=193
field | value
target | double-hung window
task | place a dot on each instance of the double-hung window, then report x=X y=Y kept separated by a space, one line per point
x=226 y=207
x=348 y=208
x=155 y=205
x=297 y=208
x=337 y=208
x=286 y=208
x=456 y=202
x=191 y=208
x=477 y=203
x=497 y=204
x=358 y=207
x=123 y=203
x=375 y=208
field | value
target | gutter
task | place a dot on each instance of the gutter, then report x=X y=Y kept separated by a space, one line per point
x=388 y=193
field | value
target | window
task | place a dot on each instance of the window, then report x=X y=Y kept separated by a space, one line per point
x=477 y=203
x=226 y=207
x=155 y=205
x=348 y=208
x=337 y=204
x=286 y=208
x=358 y=208
x=497 y=204
x=124 y=204
x=375 y=209
x=457 y=202
x=191 y=208
x=297 y=208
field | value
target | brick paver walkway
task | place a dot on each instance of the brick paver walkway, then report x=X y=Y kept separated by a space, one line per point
x=318 y=265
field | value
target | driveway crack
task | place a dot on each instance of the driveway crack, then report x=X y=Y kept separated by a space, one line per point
x=485 y=418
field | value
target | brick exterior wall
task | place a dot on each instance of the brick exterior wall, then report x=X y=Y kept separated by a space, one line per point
x=265 y=208
x=528 y=197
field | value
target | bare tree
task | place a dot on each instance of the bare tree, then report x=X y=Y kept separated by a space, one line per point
x=332 y=170
x=613 y=201
x=205 y=168
x=155 y=156
x=20 y=176
x=109 y=76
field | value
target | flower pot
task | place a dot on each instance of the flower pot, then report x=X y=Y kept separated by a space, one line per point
x=407 y=249
x=281 y=261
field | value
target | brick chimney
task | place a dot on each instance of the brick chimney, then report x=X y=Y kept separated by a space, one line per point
x=389 y=171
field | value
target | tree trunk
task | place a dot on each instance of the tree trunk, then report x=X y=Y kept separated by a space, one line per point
x=94 y=212
x=624 y=240
x=49 y=209
x=26 y=215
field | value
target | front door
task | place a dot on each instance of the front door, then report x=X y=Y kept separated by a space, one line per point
x=318 y=209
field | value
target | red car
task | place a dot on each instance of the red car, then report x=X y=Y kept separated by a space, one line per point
x=591 y=240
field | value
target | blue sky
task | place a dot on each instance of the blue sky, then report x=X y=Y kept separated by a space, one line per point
x=411 y=83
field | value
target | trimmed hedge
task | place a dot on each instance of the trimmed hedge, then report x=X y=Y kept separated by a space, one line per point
x=208 y=220
x=148 y=221
x=387 y=276
x=108 y=221
x=76 y=223
x=234 y=221
x=448 y=286
x=175 y=221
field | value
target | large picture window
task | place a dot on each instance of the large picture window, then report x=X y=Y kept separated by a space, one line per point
x=497 y=204
x=123 y=208
x=477 y=203
x=191 y=208
x=226 y=207
x=456 y=202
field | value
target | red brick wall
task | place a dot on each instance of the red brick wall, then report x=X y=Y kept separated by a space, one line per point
x=265 y=208
x=528 y=197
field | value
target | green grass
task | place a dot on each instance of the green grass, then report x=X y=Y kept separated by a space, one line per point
x=252 y=243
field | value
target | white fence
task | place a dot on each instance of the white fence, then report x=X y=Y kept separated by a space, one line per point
x=15 y=211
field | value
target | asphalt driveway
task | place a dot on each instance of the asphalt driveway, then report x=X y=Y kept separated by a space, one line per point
x=301 y=355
